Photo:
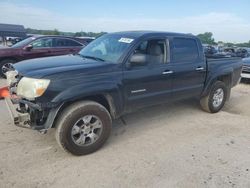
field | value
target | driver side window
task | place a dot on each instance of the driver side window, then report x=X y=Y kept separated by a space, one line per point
x=154 y=51
x=42 y=43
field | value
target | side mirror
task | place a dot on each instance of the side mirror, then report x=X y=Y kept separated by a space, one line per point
x=28 y=47
x=138 y=59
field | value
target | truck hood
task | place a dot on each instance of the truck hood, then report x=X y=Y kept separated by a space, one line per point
x=57 y=65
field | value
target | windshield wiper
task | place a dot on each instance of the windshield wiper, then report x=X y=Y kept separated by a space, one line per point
x=91 y=57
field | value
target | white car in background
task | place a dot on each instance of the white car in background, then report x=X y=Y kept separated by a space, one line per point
x=246 y=68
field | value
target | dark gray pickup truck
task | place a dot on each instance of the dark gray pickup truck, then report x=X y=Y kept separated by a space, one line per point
x=79 y=95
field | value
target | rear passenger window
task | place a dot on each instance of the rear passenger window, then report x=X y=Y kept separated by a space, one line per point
x=65 y=43
x=184 y=50
x=72 y=43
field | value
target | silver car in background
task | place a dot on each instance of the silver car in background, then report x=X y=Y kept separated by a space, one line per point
x=246 y=68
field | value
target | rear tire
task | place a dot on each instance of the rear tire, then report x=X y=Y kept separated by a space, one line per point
x=216 y=98
x=83 y=127
x=3 y=64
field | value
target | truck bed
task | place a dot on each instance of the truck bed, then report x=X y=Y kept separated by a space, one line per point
x=225 y=65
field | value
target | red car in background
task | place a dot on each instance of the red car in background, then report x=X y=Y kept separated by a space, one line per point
x=39 y=46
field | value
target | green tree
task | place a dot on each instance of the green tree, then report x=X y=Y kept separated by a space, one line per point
x=88 y=34
x=245 y=44
x=78 y=34
x=229 y=44
x=50 y=32
x=55 y=32
x=206 y=38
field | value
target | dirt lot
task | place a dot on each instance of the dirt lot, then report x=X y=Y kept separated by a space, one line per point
x=175 y=145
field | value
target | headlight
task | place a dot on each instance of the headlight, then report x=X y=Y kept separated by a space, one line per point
x=31 y=88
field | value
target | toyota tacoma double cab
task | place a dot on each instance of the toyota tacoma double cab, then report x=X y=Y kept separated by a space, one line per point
x=81 y=94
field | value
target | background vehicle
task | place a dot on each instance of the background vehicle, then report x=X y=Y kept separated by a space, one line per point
x=39 y=46
x=237 y=52
x=85 y=40
x=242 y=52
x=246 y=68
x=212 y=52
x=115 y=74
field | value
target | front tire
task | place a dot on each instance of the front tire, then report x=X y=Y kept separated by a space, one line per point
x=216 y=98
x=83 y=127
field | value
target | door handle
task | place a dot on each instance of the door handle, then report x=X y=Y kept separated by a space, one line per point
x=199 y=68
x=167 y=72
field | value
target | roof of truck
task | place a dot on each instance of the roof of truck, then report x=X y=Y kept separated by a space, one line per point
x=144 y=33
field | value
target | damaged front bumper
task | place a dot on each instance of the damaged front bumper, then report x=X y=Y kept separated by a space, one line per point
x=35 y=114
x=19 y=119
x=27 y=114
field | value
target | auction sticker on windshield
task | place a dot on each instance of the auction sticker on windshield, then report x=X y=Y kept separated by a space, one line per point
x=126 y=40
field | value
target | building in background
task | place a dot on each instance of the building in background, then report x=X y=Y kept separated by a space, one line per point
x=10 y=34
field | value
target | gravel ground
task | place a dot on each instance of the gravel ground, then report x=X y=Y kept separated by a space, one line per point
x=173 y=145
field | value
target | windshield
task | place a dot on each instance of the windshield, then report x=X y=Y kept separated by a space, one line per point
x=23 y=42
x=109 y=47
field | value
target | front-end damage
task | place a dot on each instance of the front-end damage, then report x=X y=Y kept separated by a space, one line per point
x=28 y=113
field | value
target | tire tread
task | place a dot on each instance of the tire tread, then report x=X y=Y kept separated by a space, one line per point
x=67 y=113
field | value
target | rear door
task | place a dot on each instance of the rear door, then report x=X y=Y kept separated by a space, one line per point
x=188 y=66
x=150 y=83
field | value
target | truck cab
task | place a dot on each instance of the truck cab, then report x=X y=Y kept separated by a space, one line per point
x=174 y=68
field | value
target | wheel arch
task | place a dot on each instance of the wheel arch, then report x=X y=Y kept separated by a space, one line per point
x=105 y=100
x=225 y=78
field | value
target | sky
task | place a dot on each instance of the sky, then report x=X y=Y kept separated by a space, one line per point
x=228 y=20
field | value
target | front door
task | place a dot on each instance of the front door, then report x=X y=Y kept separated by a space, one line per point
x=148 y=83
x=40 y=48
